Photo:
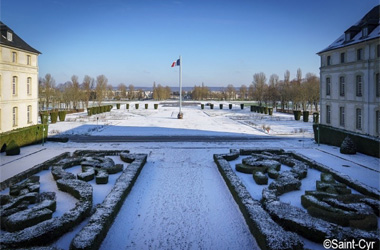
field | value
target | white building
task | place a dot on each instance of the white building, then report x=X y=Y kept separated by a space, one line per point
x=350 y=81
x=18 y=81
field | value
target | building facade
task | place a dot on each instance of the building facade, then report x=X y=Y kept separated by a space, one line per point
x=18 y=81
x=350 y=80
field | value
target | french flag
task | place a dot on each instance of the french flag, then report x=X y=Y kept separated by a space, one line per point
x=176 y=63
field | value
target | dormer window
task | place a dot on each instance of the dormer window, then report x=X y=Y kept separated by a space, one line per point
x=365 y=31
x=9 y=36
x=347 y=37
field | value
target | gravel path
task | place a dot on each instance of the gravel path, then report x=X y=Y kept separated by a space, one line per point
x=179 y=202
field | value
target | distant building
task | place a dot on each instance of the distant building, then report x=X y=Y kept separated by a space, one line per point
x=350 y=80
x=18 y=81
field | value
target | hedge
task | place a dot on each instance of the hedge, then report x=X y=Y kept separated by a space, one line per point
x=24 y=136
x=334 y=136
x=156 y=106
x=297 y=114
x=53 y=116
x=305 y=115
x=62 y=115
x=99 y=109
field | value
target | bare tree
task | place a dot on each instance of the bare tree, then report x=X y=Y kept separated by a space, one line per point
x=101 y=88
x=312 y=86
x=272 y=90
x=75 y=91
x=131 y=92
x=87 y=87
x=230 y=92
x=47 y=89
x=259 y=82
x=243 y=92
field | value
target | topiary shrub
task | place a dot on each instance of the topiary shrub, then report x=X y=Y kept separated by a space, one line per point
x=260 y=178
x=146 y=105
x=62 y=115
x=89 y=111
x=241 y=105
x=253 y=108
x=211 y=106
x=265 y=110
x=118 y=105
x=156 y=106
x=12 y=148
x=220 y=106
x=53 y=116
x=127 y=106
x=136 y=106
x=270 y=111
x=230 y=106
x=202 y=106
x=305 y=116
x=348 y=146
x=297 y=114
x=44 y=117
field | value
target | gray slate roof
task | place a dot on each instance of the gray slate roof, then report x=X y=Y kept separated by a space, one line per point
x=370 y=20
x=16 y=42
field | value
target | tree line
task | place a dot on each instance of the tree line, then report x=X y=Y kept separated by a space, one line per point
x=298 y=93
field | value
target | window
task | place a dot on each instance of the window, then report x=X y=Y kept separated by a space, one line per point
x=14 y=57
x=365 y=32
x=29 y=114
x=328 y=114
x=377 y=122
x=29 y=85
x=341 y=116
x=377 y=84
x=328 y=86
x=28 y=60
x=328 y=60
x=359 y=54
x=347 y=36
x=358 y=119
x=378 y=50
x=14 y=116
x=359 y=85
x=342 y=57
x=14 y=85
x=9 y=36
x=341 y=86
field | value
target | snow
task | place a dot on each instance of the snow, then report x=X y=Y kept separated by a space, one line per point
x=179 y=199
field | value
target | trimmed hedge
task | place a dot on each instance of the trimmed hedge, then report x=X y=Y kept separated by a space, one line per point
x=53 y=116
x=62 y=115
x=12 y=149
x=24 y=136
x=118 y=105
x=230 y=106
x=136 y=106
x=156 y=106
x=333 y=136
x=241 y=105
x=297 y=114
x=99 y=109
x=305 y=116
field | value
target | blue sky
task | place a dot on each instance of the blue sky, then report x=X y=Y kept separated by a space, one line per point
x=221 y=42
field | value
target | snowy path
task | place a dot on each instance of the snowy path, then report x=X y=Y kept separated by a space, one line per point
x=179 y=202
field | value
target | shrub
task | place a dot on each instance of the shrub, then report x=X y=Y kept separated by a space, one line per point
x=156 y=106
x=315 y=117
x=146 y=105
x=253 y=108
x=136 y=106
x=118 y=105
x=44 y=117
x=127 y=106
x=24 y=136
x=230 y=106
x=12 y=149
x=62 y=115
x=265 y=110
x=221 y=106
x=270 y=111
x=89 y=111
x=305 y=116
x=211 y=106
x=241 y=105
x=348 y=146
x=297 y=114
x=260 y=178
x=53 y=116
x=202 y=106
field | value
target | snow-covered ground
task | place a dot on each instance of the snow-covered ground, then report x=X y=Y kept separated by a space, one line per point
x=180 y=200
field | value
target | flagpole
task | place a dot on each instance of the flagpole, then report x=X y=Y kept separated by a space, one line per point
x=180 y=115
